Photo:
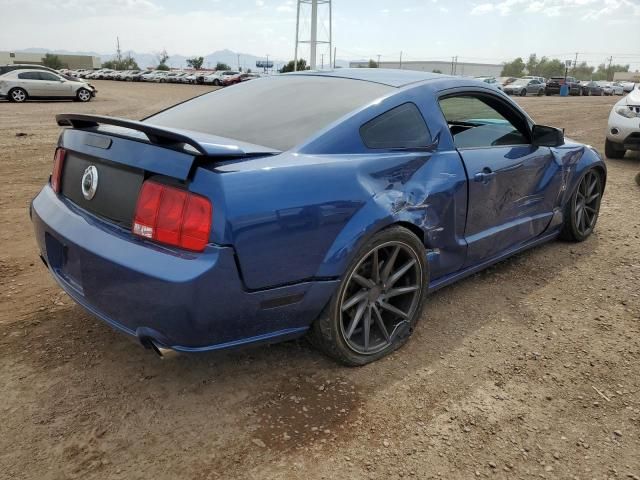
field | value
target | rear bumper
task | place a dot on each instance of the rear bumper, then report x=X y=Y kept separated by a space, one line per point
x=184 y=301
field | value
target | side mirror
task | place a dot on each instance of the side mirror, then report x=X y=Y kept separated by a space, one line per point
x=543 y=136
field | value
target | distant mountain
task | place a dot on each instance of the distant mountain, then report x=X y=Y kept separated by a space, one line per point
x=145 y=60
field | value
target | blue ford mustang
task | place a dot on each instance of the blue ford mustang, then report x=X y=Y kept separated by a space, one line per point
x=320 y=203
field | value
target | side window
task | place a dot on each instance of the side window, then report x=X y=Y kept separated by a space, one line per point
x=400 y=127
x=50 y=77
x=29 y=76
x=479 y=122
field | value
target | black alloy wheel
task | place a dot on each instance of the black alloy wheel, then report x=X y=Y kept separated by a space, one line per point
x=378 y=302
x=380 y=297
x=583 y=207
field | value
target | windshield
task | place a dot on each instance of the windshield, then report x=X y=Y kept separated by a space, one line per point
x=277 y=112
x=520 y=81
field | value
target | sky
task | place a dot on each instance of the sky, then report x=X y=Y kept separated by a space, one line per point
x=490 y=31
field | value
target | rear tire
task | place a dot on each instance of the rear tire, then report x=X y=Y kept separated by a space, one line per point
x=582 y=209
x=540 y=92
x=613 y=150
x=17 y=95
x=523 y=93
x=374 y=310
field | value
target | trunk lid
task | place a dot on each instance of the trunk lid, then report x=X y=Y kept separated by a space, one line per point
x=124 y=153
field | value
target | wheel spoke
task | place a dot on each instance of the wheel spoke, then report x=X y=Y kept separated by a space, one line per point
x=380 y=323
x=399 y=273
x=354 y=300
x=394 y=310
x=389 y=264
x=592 y=186
x=356 y=319
x=375 y=267
x=364 y=282
x=579 y=214
x=367 y=328
x=394 y=292
x=589 y=209
x=592 y=198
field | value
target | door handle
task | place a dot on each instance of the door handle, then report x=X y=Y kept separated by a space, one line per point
x=485 y=175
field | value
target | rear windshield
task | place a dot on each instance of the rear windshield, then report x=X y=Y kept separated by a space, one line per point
x=277 y=112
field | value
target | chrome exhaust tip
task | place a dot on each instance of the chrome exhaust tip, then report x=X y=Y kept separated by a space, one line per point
x=163 y=352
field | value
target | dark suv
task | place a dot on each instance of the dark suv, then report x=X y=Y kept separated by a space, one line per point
x=554 y=84
x=18 y=66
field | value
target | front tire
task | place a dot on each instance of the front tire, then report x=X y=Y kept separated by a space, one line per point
x=83 y=95
x=379 y=300
x=18 y=95
x=582 y=209
x=523 y=93
x=613 y=150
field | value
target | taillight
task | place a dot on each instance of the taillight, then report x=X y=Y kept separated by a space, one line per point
x=172 y=216
x=58 y=163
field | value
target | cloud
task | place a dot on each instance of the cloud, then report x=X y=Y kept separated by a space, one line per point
x=585 y=9
x=483 y=9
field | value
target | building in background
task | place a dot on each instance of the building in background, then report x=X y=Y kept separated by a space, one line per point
x=626 y=77
x=68 y=61
x=449 y=68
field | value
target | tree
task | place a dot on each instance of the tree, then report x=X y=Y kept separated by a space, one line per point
x=288 y=67
x=532 y=64
x=373 y=63
x=605 y=72
x=582 y=71
x=222 y=66
x=128 y=63
x=514 y=68
x=52 y=61
x=163 y=56
x=195 y=62
x=551 y=68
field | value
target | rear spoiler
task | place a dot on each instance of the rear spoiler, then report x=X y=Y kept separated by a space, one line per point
x=175 y=139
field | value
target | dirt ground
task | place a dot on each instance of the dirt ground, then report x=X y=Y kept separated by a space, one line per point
x=530 y=369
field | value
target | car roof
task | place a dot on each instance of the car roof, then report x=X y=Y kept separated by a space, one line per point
x=393 y=78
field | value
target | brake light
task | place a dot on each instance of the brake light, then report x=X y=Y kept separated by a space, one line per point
x=172 y=216
x=58 y=163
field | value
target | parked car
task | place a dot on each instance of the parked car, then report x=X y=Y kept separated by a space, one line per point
x=149 y=76
x=22 y=85
x=623 y=130
x=555 y=83
x=491 y=81
x=335 y=218
x=219 y=78
x=534 y=77
x=135 y=76
x=522 y=86
x=627 y=86
x=504 y=81
x=591 y=88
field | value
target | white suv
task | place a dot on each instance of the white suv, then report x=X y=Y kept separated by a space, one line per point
x=623 y=131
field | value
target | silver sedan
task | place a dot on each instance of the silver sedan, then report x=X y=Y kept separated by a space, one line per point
x=21 y=85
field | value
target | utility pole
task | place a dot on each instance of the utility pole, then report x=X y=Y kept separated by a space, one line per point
x=313 y=39
x=609 y=69
x=295 y=55
x=119 y=54
x=239 y=68
x=379 y=60
x=313 y=42
x=400 y=59
x=322 y=61
x=575 y=63
x=454 y=65
x=334 y=58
